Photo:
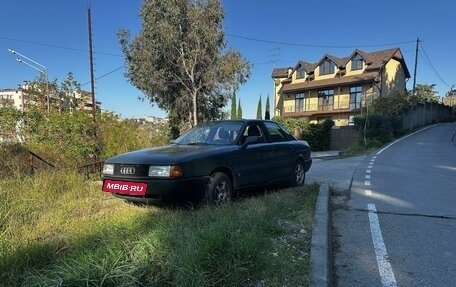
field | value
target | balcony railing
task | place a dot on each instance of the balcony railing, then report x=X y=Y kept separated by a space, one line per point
x=342 y=105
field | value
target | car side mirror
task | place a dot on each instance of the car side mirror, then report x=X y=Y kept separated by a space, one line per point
x=250 y=140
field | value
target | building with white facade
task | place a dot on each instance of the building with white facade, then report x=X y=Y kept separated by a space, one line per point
x=21 y=100
x=14 y=97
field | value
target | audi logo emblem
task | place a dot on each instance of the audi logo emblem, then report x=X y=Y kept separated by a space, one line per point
x=127 y=170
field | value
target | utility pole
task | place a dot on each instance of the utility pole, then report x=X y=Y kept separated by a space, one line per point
x=414 y=82
x=416 y=63
x=92 y=84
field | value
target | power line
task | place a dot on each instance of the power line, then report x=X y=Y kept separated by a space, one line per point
x=58 y=47
x=432 y=66
x=230 y=35
x=314 y=45
x=68 y=48
x=104 y=75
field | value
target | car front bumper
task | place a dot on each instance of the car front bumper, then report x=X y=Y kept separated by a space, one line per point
x=157 y=190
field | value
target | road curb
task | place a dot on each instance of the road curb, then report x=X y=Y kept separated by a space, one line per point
x=320 y=250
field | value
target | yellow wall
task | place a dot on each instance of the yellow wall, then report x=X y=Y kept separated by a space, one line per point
x=349 y=72
x=277 y=103
x=394 y=77
x=288 y=103
x=296 y=80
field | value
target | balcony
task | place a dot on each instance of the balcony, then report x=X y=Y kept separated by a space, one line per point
x=318 y=109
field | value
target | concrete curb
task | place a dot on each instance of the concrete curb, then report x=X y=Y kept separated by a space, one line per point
x=320 y=250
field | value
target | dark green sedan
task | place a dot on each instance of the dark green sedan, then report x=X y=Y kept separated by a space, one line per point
x=212 y=162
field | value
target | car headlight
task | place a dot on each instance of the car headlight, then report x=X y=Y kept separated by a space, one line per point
x=108 y=168
x=165 y=171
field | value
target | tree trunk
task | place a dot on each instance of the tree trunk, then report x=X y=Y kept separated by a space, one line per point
x=195 y=115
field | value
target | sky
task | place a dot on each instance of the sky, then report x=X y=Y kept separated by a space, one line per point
x=269 y=34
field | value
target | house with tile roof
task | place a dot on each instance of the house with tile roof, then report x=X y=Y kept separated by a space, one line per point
x=338 y=88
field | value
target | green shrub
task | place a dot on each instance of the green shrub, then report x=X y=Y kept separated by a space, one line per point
x=379 y=128
x=317 y=135
x=70 y=140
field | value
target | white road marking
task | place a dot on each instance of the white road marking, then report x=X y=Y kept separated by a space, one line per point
x=383 y=262
x=367 y=176
x=384 y=265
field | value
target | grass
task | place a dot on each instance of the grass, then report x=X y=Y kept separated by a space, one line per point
x=360 y=148
x=58 y=230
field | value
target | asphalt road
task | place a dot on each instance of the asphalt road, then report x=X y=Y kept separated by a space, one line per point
x=396 y=226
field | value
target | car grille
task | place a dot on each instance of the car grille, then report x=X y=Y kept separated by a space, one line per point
x=131 y=170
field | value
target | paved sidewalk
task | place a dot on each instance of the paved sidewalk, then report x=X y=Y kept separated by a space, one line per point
x=328 y=168
x=333 y=173
x=325 y=154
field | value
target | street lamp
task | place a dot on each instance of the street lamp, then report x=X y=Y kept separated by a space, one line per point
x=42 y=70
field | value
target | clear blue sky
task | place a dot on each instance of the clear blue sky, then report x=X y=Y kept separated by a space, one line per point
x=268 y=33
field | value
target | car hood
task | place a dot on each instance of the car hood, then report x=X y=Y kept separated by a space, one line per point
x=171 y=154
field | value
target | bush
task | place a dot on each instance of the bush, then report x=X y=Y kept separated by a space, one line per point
x=379 y=128
x=317 y=135
x=70 y=140
x=292 y=124
x=66 y=140
x=120 y=136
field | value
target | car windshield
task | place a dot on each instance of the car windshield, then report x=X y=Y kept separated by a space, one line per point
x=211 y=133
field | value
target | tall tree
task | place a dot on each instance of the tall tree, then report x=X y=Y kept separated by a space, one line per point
x=179 y=59
x=267 y=113
x=70 y=94
x=41 y=91
x=239 y=112
x=233 y=107
x=426 y=92
x=259 y=110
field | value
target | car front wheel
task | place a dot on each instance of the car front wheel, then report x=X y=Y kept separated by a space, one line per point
x=298 y=175
x=219 y=189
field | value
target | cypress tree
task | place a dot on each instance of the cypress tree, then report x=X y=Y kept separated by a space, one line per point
x=233 y=107
x=239 y=112
x=267 y=113
x=259 y=110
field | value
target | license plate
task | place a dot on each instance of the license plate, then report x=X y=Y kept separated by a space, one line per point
x=125 y=187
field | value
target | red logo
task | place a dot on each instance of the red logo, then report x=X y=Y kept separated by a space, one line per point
x=125 y=187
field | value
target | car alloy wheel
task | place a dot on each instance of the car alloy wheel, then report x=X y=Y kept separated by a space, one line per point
x=219 y=189
x=299 y=175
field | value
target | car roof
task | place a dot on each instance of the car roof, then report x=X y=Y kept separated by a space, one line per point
x=240 y=120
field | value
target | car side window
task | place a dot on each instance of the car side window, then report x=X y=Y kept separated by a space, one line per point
x=275 y=132
x=253 y=130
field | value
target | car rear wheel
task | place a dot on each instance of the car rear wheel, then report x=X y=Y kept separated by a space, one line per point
x=298 y=175
x=219 y=189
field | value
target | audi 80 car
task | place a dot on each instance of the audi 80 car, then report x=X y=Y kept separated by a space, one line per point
x=212 y=162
